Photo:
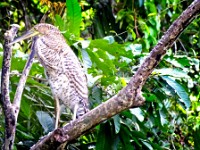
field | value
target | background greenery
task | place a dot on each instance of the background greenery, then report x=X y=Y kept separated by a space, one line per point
x=112 y=38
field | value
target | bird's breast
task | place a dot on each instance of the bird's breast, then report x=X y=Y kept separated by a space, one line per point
x=60 y=87
x=49 y=56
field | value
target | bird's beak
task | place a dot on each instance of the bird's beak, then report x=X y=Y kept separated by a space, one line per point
x=28 y=34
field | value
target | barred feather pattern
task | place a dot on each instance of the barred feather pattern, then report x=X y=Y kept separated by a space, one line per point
x=64 y=72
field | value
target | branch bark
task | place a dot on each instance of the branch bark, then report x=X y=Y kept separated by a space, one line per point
x=11 y=110
x=5 y=98
x=128 y=97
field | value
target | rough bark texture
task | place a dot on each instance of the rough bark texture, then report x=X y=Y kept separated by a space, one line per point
x=11 y=110
x=5 y=98
x=128 y=97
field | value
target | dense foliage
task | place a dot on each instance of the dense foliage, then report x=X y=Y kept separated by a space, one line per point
x=112 y=38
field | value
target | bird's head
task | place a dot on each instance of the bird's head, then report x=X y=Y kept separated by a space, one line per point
x=41 y=29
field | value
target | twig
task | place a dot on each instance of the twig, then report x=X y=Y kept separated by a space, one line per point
x=26 y=16
x=44 y=17
x=22 y=81
x=135 y=24
x=183 y=46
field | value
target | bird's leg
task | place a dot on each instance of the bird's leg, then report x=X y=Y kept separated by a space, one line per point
x=75 y=111
x=79 y=110
x=57 y=112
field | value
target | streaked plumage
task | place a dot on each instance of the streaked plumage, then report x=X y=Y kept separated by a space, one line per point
x=64 y=72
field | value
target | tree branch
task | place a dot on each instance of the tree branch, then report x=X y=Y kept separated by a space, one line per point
x=11 y=110
x=22 y=81
x=5 y=97
x=128 y=97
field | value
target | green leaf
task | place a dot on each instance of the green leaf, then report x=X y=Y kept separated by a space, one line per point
x=171 y=72
x=96 y=95
x=196 y=137
x=115 y=49
x=45 y=120
x=116 y=119
x=104 y=139
x=4 y=4
x=179 y=90
x=73 y=17
x=138 y=113
x=24 y=135
x=126 y=138
x=26 y=107
x=60 y=23
x=138 y=134
x=110 y=39
x=135 y=48
x=149 y=146
x=102 y=61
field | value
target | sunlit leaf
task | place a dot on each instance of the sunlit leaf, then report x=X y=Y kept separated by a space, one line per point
x=45 y=120
x=179 y=90
x=74 y=17
x=116 y=119
x=147 y=145
x=172 y=72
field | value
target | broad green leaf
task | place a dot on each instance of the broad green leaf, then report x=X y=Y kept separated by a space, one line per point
x=114 y=49
x=127 y=114
x=151 y=7
x=26 y=108
x=24 y=135
x=45 y=120
x=98 y=63
x=172 y=72
x=196 y=137
x=179 y=90
x=60 y=23
x=117 y=119
x=163 y=118
x=138 y=134
x=4 y=4
x=135 y=48
x=96 y=96
x=147 y=145
x=196 y=63
x=92 y=80
x=155 y=146
x=150 y=97
x=138 y=113
x=73 y=17
x=102 y=61
x=104 y=139
x=126 y=138
x=110 y=39
x=183 y=61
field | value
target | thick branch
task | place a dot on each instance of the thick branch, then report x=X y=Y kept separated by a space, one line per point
x=128 y=97
x=5 y=97
x=11 y=110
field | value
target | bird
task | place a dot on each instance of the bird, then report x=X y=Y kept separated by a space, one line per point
x=63 y=69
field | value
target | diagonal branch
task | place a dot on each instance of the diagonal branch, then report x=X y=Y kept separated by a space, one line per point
x=128 y=97
x=22 y=81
